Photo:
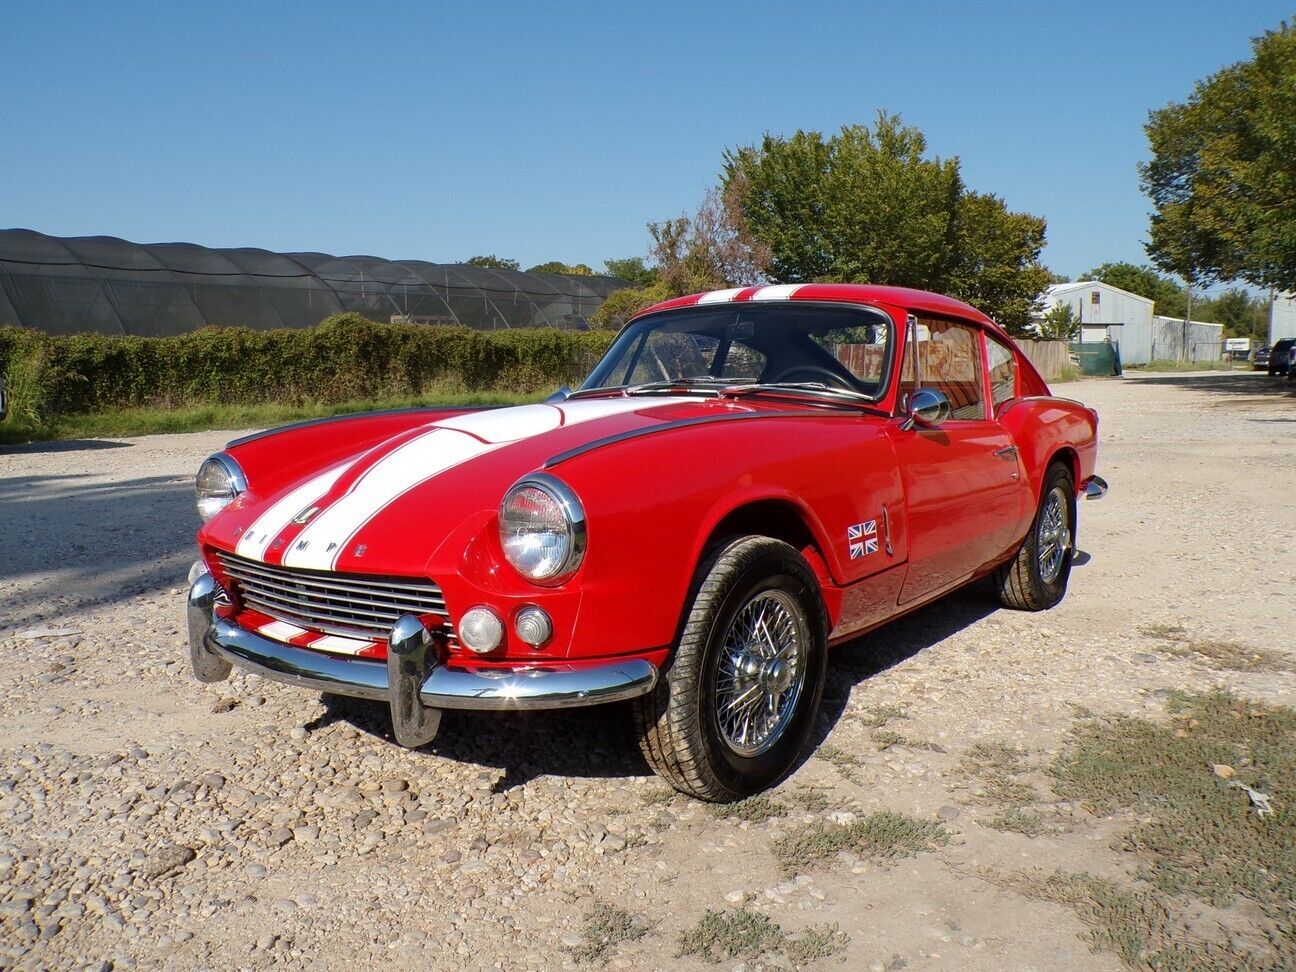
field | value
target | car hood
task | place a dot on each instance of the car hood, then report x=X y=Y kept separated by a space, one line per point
x=387 y=508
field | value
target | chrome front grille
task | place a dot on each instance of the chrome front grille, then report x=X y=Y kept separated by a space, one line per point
x=351 y=605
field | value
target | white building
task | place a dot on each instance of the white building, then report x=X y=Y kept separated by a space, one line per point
x=1282 y=317
x=1108 y=313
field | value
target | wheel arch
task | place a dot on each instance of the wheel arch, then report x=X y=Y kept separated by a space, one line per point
x=1067 y=455
x=779 y=518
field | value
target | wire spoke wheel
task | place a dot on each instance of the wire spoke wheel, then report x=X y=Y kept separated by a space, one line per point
x=1054 y=539
x=761 y=672
x=733 y=710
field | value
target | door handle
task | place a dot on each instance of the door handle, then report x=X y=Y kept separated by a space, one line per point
x=1007 y=453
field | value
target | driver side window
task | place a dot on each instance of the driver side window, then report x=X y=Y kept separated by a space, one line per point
x=949 y=360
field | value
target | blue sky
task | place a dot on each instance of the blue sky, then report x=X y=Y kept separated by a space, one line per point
x=556 y=131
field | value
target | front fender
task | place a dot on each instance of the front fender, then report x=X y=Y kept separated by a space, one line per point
x=654 y=503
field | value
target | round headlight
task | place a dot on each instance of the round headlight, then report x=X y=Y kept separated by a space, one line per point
x=219 y=480
x=542 y=529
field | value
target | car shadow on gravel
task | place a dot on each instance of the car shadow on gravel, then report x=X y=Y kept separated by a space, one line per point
x=886 y=647
x=591 y=743
x=1225 y=382
x=598 y=742
x=66 y=544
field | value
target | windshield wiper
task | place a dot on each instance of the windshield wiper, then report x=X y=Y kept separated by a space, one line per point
x=698 y=383
x=816 y=389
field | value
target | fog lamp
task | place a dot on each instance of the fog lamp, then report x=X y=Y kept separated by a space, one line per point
x=533 y=626
x=481 y=630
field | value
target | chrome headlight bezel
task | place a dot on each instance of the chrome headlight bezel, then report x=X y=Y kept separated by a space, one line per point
x=574 y=530
x=219 y=481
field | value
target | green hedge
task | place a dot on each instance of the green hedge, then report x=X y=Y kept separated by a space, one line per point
x=344 y=358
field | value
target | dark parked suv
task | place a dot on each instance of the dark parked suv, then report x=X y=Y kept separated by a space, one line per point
x=1260 y=359
x=1280 y=357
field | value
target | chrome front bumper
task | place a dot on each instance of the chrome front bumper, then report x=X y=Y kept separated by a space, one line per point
x=412 y=680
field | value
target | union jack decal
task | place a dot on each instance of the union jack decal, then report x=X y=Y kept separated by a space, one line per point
x=862 y=539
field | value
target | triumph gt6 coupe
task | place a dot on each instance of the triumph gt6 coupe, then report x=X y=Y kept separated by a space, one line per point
x=748 y=478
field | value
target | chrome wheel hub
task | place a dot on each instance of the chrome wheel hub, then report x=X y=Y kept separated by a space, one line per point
x=761 y=672
x=1054 y=536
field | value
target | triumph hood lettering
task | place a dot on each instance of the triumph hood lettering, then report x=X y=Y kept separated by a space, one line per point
x=351 y=495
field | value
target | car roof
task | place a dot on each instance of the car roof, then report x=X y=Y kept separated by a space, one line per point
x=904 y=297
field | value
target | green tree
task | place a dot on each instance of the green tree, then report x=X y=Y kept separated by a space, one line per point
x=1059 y=323
x=997 y=266
x=557 y=266
x=633 y=269
x=621 y=305
x=1146 y=282
x=1221 y=176
x=492 y=262
x=712 y=249
x=870 y=206
x=1241 y=314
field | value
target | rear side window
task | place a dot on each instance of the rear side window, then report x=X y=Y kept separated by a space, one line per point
x=1003 y=372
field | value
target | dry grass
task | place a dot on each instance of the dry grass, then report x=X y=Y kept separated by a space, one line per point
x=1017 y=821
x=754 y=808
x=1202 y=836
x=606 y=927
x=1226 y=655
x=1146 y=930
x=847 y=763
x=1196 y=835
x=886 y=738
x=999 y=769
x=746 y=934
x=883 y=835
x=877 y=716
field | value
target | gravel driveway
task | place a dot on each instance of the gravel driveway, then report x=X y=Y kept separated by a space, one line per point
x=149 y=821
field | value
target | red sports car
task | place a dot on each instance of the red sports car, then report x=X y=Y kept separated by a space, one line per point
x=746 y=479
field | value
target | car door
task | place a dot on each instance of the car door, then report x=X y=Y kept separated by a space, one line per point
x=963 y=481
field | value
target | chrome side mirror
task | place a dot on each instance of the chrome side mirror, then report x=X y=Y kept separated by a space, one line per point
x=928 y=408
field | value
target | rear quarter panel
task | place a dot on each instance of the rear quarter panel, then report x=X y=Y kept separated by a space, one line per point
x=1045 y=427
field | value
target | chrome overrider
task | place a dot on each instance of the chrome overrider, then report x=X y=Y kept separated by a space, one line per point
x=1095 y=487
x=412 y=681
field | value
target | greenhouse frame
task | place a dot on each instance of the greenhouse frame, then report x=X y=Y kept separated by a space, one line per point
x=67 y=285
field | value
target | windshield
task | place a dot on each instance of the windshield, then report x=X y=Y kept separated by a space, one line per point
x=844 y=349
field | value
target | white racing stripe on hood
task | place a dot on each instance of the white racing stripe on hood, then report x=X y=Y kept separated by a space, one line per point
x=317 y=547
x=446 y=444
x=267 y=526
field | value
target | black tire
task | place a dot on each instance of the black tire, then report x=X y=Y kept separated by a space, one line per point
x=1023 y=582
x=678 y=724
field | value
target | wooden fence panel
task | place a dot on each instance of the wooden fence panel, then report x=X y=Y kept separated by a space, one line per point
x=1050 y=358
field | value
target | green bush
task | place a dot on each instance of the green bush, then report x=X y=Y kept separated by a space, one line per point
x=346 y=357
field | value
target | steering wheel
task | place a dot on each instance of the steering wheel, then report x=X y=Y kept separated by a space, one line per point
x=825 y=376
